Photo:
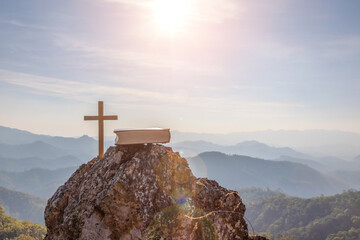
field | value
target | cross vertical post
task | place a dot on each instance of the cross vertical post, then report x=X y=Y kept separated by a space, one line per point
x=100 y=118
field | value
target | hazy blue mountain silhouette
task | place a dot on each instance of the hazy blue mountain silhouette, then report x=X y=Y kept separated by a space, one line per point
x=15 y=136
x=27 y=150
x=335 y=164
x=22 y=164
x=304 y=138
x=39 y=182
x=311 y=163
x=247 y=148
x=261 y=150
x=15 y=143
x=314 y=142
x=35 y=149
x=242 y=172
x=22 y=206
x=349 y=177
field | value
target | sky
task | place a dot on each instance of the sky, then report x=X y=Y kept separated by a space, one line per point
x=215 y=66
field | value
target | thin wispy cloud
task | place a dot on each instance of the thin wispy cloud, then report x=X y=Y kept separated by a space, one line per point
x=116 y=57
x=76 y=90
x=18 y=23
x=343 y=46
x=85 y=92
x=109 y=56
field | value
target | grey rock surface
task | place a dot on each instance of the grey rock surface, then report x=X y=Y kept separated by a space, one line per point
x=143 y=192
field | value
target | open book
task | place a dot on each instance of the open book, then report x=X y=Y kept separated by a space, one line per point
x=142 y=136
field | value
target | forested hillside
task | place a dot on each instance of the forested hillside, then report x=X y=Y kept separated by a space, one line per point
x=12 y=229
x=331 y=218
x=252 y=194
x=22 y=206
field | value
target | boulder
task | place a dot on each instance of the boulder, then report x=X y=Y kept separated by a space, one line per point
x=143 y=192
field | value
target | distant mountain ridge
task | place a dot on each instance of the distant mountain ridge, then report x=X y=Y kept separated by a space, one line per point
x=83 y=147
x=242 y=172
x=319 y=166
x=39 y=182
x=23 y=164
x=38 y=164
x=34 y=149
x=349 y=177
x=66 y=152
x=260 y=150
x=38 y=155
x=305 y=138
x=247 y=148
x=340 y=144
x=15 y=136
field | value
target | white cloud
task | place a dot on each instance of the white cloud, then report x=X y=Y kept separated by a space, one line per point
x=86 y=92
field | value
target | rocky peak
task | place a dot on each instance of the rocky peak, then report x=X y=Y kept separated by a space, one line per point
x=143 y=192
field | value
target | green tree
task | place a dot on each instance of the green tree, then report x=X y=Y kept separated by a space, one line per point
x=285 y=217
x=12 y=229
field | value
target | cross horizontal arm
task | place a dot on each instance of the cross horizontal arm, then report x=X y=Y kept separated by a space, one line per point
x=110 y=117
x=91 y=118
x=100 y=118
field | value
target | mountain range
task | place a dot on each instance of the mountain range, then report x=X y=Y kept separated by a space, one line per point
x=349 y=177
x=38 y=164
x=39 y=182
x=34 y=149
x=23 y=164
x=247 y=148
x=235 y=171
x=21 y=150
x=321 y=143
x=15 y=143
x=260 y=150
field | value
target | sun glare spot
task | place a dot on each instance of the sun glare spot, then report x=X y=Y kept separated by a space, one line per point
x=171 y=15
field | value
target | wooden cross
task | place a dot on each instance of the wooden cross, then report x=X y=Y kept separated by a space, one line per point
x=101 y=119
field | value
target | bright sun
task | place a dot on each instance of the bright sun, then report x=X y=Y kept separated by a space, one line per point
x=171 y=15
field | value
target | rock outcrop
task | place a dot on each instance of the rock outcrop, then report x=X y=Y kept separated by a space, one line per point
x=143 y=192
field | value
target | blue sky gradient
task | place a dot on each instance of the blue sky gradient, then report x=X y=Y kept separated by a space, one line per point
x=234 y=66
